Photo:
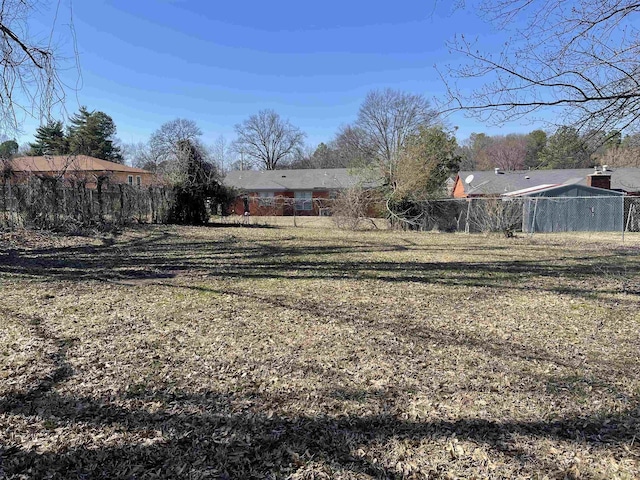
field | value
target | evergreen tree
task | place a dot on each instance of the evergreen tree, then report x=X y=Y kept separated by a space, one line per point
x=425 y=163
x=565 y=149
x=50 y=140
x=92 y=134
x=536 y=141
x=8 y=149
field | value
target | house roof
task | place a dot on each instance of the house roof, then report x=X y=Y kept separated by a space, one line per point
x=530 y=190
x=573 y=190
x=61 y=163
x=490 y=183
x=304 y=179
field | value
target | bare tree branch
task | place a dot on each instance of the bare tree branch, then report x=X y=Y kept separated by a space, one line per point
x=29 y=81
x=387 y=118
x=268 y=139
x=579 y=58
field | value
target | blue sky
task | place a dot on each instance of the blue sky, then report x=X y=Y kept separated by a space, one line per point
x=146 y=62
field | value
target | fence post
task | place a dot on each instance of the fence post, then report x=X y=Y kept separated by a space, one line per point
x=623 y=226
x=632 y=210
x=533 y=219
x=466 y=226
x=10 y=207
x=121 y=203
x=99 y=192
x=151 y=210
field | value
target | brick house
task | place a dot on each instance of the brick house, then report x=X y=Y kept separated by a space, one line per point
x=79 y=168
x=290 y=192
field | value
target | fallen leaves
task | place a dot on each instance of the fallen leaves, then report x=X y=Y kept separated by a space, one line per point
x=310 y=353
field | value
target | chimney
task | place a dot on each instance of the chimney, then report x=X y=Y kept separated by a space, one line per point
x=599 y=180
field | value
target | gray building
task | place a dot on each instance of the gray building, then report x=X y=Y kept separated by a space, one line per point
x=569 y=208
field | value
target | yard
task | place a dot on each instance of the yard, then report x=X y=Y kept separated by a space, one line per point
x=231 y=352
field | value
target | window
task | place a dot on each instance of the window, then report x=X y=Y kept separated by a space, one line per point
x=303 y=200
x=130 y=179
x=266 y=199
x=138 y=180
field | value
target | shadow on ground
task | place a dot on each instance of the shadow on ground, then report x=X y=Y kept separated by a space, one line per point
x=167 y=255
x=212 y=435
x=220 y=435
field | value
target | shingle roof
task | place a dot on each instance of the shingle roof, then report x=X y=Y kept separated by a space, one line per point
x=59 y=163
x=307 y=179
x=490 y=183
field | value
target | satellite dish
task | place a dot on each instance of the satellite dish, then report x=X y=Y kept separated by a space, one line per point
x=469 y=179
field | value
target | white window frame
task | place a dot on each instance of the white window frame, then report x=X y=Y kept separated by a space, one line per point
x=303 y=200
x=266 y=199
x=138 y=180
x=130 y=180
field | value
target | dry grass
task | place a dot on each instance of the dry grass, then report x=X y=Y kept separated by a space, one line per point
x=312 y=353
x=298 y=221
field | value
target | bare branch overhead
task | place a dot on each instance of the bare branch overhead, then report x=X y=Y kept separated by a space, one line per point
x=29 y=81
x=579 y=58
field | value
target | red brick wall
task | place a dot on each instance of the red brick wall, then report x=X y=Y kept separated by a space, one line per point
x=599 y=181
x=283 y=204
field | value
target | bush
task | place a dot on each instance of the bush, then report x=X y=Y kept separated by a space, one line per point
x=351 y=208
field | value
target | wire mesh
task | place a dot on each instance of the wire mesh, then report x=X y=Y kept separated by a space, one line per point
x=615 y=213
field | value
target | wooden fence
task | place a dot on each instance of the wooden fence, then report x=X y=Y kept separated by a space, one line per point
x=60 y=204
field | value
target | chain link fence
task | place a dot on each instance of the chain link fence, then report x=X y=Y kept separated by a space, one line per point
x=528 y=214
x=467 y=215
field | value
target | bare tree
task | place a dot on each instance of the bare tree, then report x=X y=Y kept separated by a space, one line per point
x=617 y=157
x=29 y=82
x=473 y=151
x=352 y=147
x=388 y=118
x=352 y=208
x=479 y=144
x=302 y=158
x=221 y=153
x=505 y=152
x=166 y=139
x=580 y=58
x=267 y=138
x=165 y=144
x=139 y=155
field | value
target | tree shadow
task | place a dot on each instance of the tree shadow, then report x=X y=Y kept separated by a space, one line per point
x=223 y=442
x=226 y=435
x=163 y=256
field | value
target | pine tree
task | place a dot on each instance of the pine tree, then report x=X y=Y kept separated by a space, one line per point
x=92 y=133
x=50 y=140
x=565 y=149
x=8 y=149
